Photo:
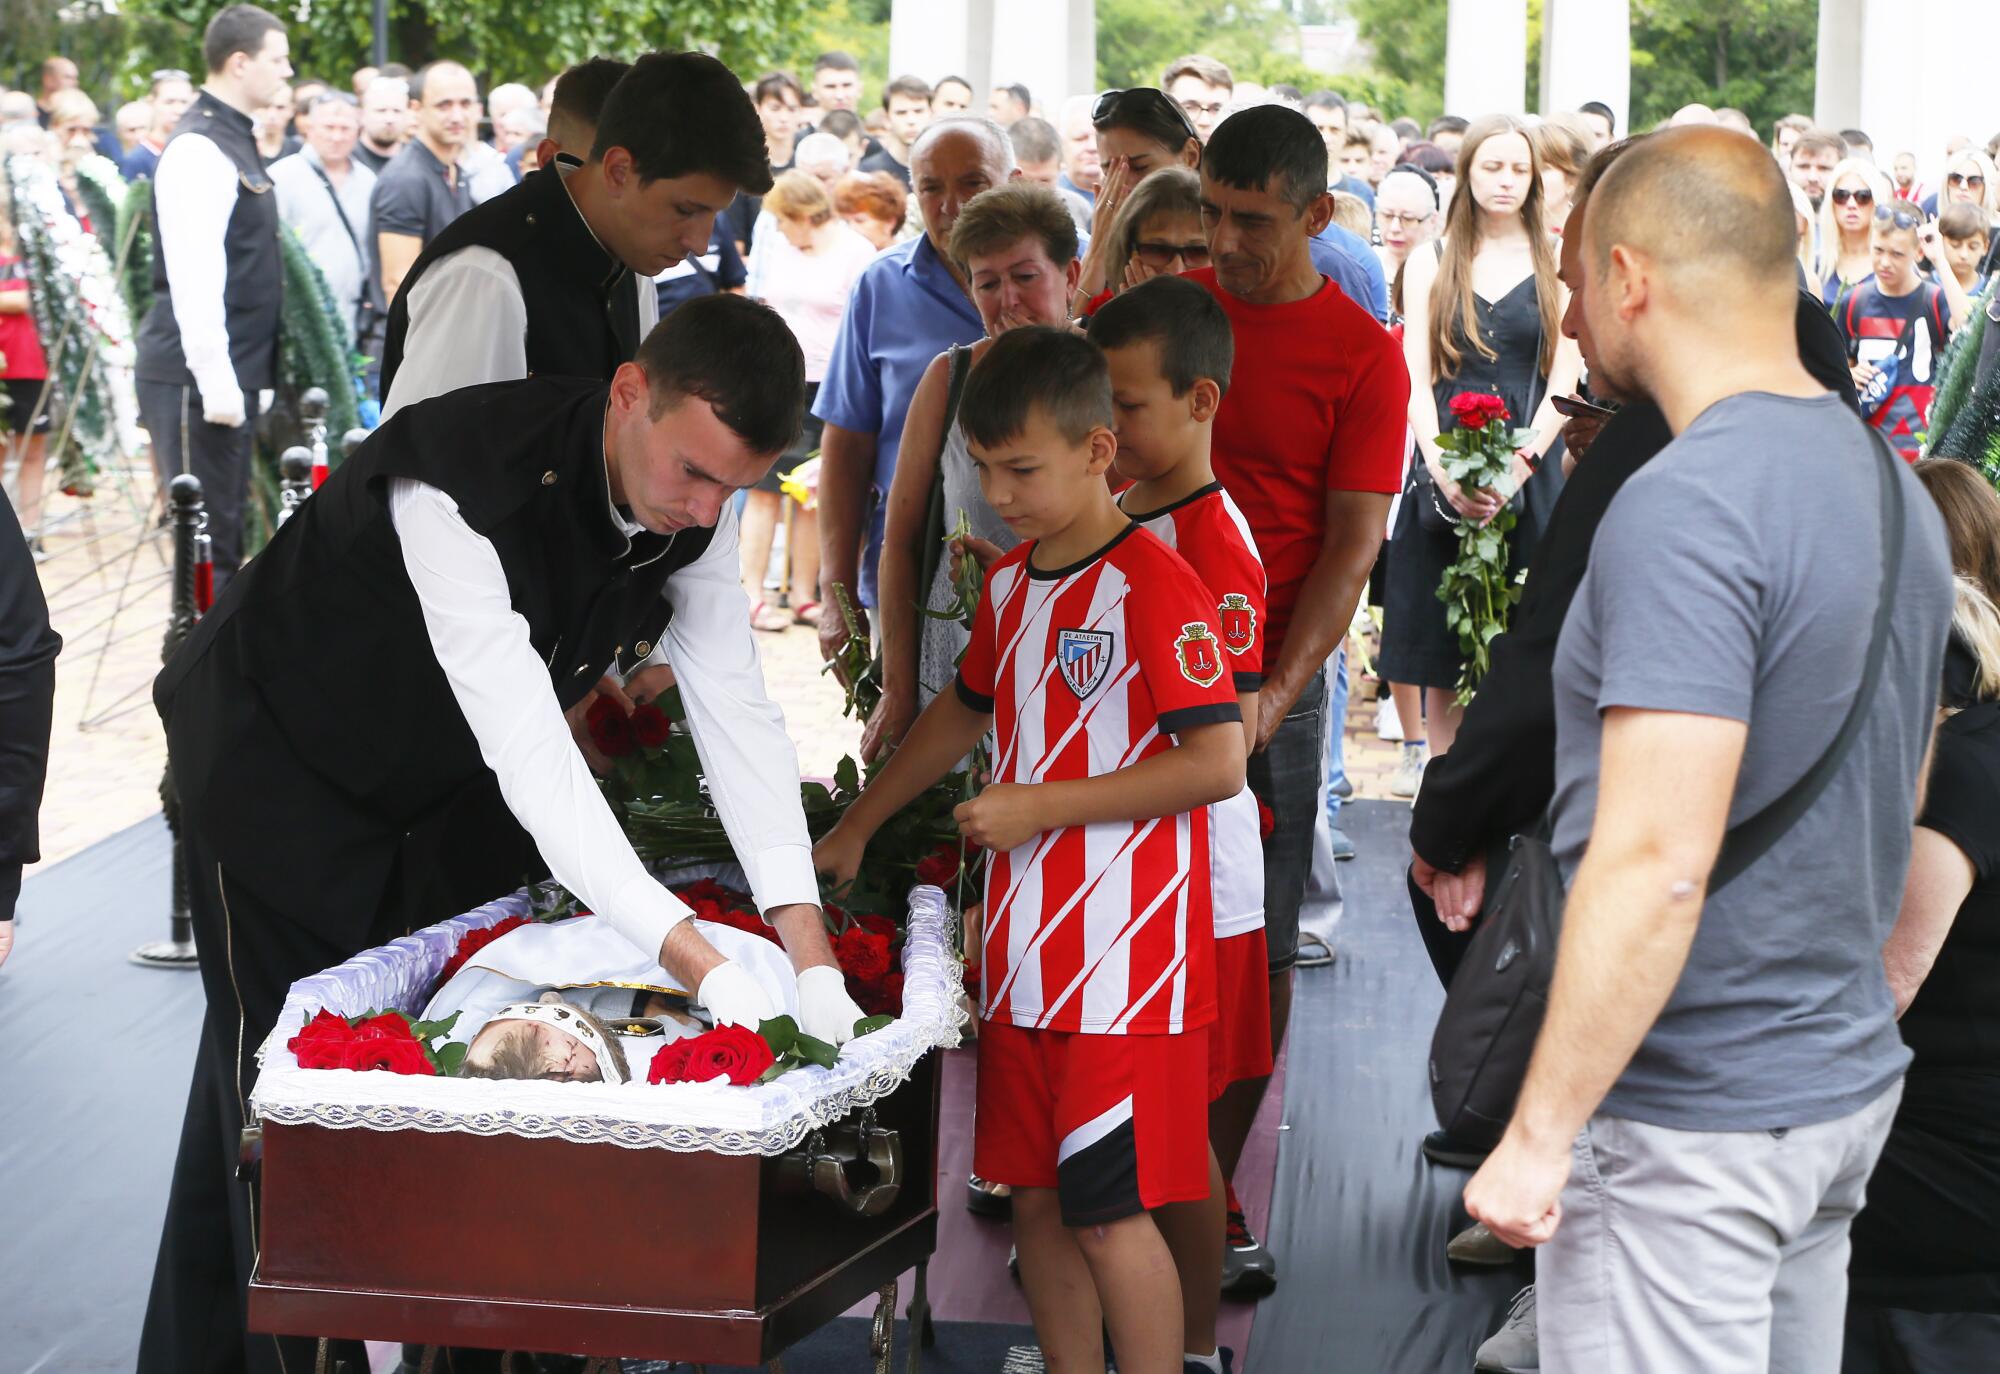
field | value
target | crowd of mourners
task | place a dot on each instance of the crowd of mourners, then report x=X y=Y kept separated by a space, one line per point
x=1245 y=314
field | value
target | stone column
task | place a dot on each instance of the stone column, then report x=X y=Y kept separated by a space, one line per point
x=1898 y=38
x=1486 y=58
x=1049 y=46
x=1587 y=55
x=1837 y=67
x=937 y=38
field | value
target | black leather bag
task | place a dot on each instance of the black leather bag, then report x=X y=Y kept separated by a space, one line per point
x=1493 y=1011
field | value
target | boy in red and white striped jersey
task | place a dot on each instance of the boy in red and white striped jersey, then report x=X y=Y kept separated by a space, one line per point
x=1097 y=659
x=1170 y=350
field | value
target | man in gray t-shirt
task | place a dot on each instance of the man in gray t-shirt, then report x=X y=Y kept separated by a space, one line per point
x=1715 y=1075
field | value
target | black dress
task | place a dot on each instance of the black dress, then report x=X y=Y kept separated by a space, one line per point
x=1418 y=647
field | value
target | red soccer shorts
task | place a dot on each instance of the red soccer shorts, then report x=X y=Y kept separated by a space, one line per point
x=1116 y=1124
x=1239 y=1045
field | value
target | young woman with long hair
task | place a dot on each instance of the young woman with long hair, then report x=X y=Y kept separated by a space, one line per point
x=1845 y=256
x=1483 y=313
x=1139 y=131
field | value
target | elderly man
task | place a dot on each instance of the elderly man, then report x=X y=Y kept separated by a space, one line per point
x=909 y=306
x=423 y=189
x=385 y=122
x=1038 y=150
x=1719 y=1064
x=1083 y=170
x=323 y=195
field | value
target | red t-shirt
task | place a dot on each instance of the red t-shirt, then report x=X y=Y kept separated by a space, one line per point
x=19 y=342
x=1318 y=401
x=1103 y=928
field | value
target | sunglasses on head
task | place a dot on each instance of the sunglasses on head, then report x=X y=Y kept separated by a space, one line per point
x=1108 y=102
x=1899 y=217
x=1860 y=196
x=1965 y=179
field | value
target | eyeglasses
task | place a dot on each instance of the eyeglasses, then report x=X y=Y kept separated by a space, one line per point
x=1406 y=220
x=1211 y=108
x=1974 y=180
x=1899 y=217
x=1108 y=101
x=1861 y=196
x=1154 y=254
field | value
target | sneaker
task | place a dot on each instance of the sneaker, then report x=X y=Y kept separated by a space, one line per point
x=1410 y=775
x=1513 y=1349
x=1388 y=725
x=1228 y=1356
x=1343 y=848
x=1248 y=1270
x=984 y=1199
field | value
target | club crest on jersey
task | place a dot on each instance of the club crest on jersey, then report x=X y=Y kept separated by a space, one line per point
x=1238 y=622
x=1201 y=662
x=1084 y=656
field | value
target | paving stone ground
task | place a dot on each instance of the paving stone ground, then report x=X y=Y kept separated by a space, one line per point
x=106 y=581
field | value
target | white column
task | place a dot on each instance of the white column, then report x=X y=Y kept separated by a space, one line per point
x=1486 y=58
x=1837 y=68
x=1049 y=46
x=1587 y=55
x=937 y=38
x=1896 y=38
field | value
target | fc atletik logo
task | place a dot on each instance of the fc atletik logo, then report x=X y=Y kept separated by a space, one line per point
x=1201 y=663
x=1238 y=621
x=1083 y=656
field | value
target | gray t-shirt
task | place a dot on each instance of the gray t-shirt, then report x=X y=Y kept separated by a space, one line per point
x=1737 y=576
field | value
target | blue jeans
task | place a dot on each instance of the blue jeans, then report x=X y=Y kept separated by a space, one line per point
x=1336 y=771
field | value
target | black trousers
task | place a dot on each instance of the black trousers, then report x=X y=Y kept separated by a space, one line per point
x=219 y=455
x=251 y=954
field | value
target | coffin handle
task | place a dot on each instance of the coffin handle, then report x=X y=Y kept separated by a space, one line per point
x=249 y=1154
x=824 y=1162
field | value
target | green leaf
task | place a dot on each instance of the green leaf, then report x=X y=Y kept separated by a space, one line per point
x=868 y=1025
x=785 y=1064
x=847 y=776
x=781 y=1033
x=671 y=705
x=815 y=1051
x=431 y=1030
x=450 y=1058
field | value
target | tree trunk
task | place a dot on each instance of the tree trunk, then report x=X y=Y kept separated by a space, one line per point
x=1721 y=58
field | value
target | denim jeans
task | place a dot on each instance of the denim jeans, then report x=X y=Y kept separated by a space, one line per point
x=1336 y=730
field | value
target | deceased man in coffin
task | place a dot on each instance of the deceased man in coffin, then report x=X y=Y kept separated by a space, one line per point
x=554 y=1000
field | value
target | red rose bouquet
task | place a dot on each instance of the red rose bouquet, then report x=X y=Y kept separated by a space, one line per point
x=1476 y=590
x=389 y=1040
x=471 y=943
x=742 y=1056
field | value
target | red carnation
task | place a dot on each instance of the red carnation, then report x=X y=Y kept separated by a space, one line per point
x=885 y=995
x=940 y=867
x=1266 y=821
x=878 y=924
x=734 y=1052
x=863 y=954
x=650 y=726
x=1472 y=409
x=475 y=940
x=397 y=1056
x=610 y=729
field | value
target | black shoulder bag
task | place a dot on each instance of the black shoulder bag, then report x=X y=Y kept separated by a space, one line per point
x=1493 y=1011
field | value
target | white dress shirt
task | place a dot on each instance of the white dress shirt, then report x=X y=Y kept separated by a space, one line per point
x=201 y=187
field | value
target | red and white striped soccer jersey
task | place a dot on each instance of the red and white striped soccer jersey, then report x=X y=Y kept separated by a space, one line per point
x=1209 y=532
x=1103 y=928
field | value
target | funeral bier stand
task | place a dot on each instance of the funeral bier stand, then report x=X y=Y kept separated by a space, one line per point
x=697 y=1222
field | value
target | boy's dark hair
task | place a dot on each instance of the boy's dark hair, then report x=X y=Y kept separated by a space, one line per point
x=1285 y=90
x=1357 y=137
x=395 y=71
x=238 y=29
x=1184 y=319
x=835 y=61
x=1326 y=100
x=1036 y=367
x=1034 y=139
x=1602 y=111
x=1963 y=221
x=1020 y=93
x=684 y=112
x=1855 y=138
x=1406 y=130
x=740 y=357
x=908 y=87
x=773 y=85
x=944 y=81
x=1447 y=124
x=840 y=123
x=1252 y=146
x=578 y=100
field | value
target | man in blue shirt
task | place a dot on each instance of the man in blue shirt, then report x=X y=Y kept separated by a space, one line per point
x=908 y=307
x=1346 y=257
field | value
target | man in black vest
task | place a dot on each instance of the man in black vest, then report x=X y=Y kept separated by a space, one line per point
x=554 y=276
x=210 y=342
x=367 y=729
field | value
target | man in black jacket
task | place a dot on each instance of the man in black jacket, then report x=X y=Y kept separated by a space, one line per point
x=28 y=649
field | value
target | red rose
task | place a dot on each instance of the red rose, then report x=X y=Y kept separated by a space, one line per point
x=610 y=729
x=940 y=867
x=863 y=954
x=1266 y=822
x=391 y=1025
x=322 y=1042
x=475 y=940
x=650 y=726
x=397 y=1056
x=1472 y=409
x=734 y=1052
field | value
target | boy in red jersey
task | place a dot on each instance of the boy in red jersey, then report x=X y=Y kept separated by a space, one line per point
x=1096 y=657
x=1170 y=351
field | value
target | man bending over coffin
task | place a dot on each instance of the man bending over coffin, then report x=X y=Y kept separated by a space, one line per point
x=367 y=730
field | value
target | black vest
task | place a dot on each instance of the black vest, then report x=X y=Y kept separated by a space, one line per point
x=313 y=734
x=253 y=289
x=583 y=308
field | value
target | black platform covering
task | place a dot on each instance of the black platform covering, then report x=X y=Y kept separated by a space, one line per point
x=1359 y=1226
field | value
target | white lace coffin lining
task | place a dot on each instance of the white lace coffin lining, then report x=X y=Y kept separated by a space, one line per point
x=717 y=1117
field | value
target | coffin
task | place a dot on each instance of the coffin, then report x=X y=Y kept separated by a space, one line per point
x=697 y=1222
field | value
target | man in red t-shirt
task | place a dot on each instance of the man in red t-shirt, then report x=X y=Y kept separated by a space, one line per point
x=1309 y=443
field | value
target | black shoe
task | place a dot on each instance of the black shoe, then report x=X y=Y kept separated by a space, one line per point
x=1248 y=1270
x=1344 y=789
x=1440 y=1148
x=982 y=1201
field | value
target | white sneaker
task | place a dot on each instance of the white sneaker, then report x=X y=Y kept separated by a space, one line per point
x=1410 y=776
x=1388 y=725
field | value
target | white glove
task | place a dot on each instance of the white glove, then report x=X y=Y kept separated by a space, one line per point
x=826 y=1012
x=733 y=997
x=223 y=405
